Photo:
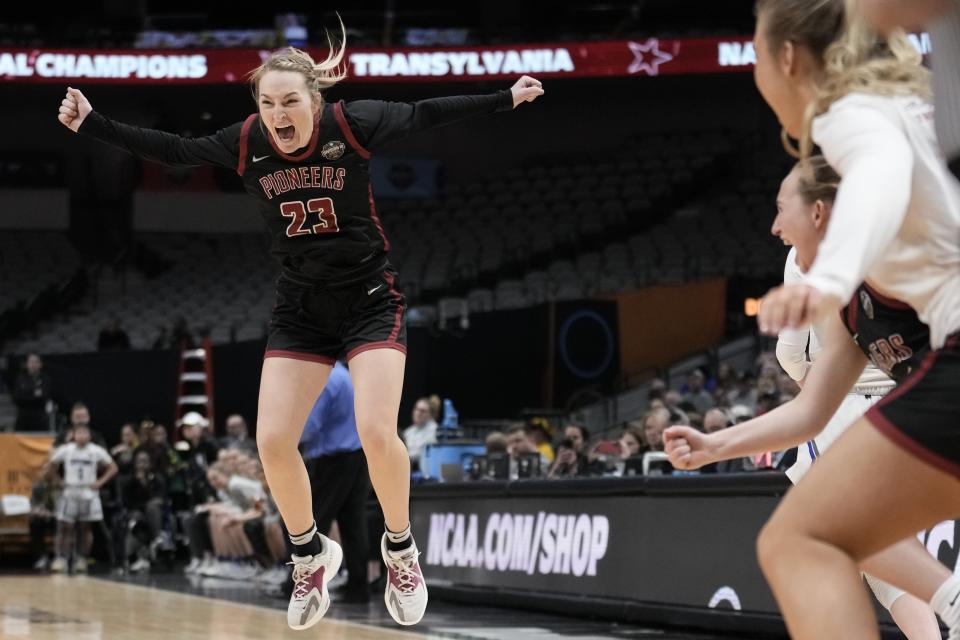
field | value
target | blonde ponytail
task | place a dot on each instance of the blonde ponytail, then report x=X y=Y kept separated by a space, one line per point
x=319 y=76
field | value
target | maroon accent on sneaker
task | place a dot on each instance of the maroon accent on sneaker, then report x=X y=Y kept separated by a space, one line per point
x=303 y=587
x=406 y=581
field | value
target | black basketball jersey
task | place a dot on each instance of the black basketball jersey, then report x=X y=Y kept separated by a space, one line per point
x=887 y=331
x=317 y=202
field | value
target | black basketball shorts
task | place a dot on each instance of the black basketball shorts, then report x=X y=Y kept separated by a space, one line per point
x=329 y=323
x=922 y=415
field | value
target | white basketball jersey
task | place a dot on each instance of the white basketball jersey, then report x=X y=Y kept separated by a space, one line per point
x=80 y=464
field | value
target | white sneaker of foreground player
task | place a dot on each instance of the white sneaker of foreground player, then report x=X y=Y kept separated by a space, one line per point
x=310 y=599
x=406 y=592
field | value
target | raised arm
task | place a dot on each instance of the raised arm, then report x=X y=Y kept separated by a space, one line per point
x=220 y=149
x=830 y=378
x=376 y=122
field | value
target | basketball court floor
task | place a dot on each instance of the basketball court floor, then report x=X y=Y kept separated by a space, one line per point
x=169 y=606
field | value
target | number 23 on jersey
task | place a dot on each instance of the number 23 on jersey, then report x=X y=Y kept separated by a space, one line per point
x=297 y=212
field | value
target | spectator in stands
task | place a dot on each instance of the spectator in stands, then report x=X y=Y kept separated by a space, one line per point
x=696 y=394
x=519 y=444
x=496 y=442
x=32 y=394
x=632 y=440
x=241 y=497
x=162 y=457
x=436 y=407
x=726 y=379
x=165 y=461
x=197 y=441
x=717 y=420
x=80 y=417
x=113 y=338
x=745 y=393
x=143 y=431
x=43 y=520
x=338 y=474
x=123 y=452
x=571 y=459
x=657 y=389
x=422 y=432
x=199 y=450
x=142 y=495
x=519 y=441
x=541 y=432
x=675 y=406
x=238 y=436
x=80 y=501
x=653 y=425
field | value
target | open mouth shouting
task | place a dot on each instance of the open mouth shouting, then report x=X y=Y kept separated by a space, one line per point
x=286 y=134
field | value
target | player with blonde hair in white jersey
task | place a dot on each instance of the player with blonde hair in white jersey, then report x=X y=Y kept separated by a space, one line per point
x=804 y=204
x=80 y=501
x=894 y=228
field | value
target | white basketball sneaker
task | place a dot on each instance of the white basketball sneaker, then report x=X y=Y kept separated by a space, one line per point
x=310 y=599
x=406 y=592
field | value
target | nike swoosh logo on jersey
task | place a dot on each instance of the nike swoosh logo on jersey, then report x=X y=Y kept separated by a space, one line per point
x=372 y=291
x=256 y=159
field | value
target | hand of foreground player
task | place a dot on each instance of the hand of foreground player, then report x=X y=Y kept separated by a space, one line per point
x=788 y=307
x=687 y=447
x=73 y=109
x=526 y=89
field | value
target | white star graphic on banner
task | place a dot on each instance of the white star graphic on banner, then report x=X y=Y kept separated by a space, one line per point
x=647 y=57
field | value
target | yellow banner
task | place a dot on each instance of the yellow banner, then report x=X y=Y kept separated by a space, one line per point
x=21 y=458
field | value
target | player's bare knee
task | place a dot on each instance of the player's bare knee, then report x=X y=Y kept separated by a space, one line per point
x=374 y=437
x=772 y=543
x=274 y=444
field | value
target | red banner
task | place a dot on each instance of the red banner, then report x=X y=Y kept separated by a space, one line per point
x=648 y=57
x=644 y=57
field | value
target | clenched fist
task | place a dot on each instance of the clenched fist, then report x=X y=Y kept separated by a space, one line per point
x=73 y=109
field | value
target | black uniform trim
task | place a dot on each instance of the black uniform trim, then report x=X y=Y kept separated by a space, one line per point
x=920 y=415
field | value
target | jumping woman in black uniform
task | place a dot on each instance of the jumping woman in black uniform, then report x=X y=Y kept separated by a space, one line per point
x=306 y=162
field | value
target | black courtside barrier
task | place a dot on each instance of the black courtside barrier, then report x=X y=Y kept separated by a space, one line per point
x=665 y=550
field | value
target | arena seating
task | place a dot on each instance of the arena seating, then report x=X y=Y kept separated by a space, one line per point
x=549 y=232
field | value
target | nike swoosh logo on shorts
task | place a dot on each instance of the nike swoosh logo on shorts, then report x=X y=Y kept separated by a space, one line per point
x=375 y=289
x=256 y=159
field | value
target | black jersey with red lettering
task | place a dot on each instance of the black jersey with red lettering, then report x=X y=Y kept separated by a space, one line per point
x=887 y=331
x=317 y=201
